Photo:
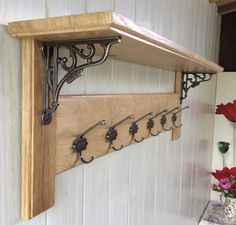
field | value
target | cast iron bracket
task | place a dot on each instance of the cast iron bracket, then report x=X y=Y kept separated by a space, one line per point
x=192 y=80
x=81 y=54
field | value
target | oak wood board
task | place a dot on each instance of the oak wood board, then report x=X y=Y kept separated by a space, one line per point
x=79 y=112
x=38 y=141
x=176 y=133
x=138 y=45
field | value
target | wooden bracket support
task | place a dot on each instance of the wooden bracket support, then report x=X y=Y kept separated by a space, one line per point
x=38 y=141
x=178 y=89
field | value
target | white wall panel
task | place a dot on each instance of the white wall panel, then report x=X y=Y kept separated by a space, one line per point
x=69 y=195
x=142 y=184
x=224 y=130
x=38 y=220
x=144 y=13
x=154 y=183
x=9 y=124
x=10 y=113
x=96 y=193
x=119 y=183
x=101 y=5
x=12 y=10
x=62 y=7
x=125 y=7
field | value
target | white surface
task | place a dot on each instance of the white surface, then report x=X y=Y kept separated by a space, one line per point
x=215 y=215
x=158 y=182
x=224 y=130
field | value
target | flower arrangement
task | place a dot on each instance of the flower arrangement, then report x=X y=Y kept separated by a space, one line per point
x=226 y=182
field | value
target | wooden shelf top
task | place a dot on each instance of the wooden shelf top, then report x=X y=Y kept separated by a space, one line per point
x=138 y=45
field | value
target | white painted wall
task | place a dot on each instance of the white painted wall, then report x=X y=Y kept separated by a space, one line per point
x=158 y=182
x=224 y=130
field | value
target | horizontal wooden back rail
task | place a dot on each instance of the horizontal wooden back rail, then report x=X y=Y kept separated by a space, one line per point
x=77 y=113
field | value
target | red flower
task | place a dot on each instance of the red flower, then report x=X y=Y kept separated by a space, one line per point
x=225 y=173
x=221 y=174
x=228 y=110
x=233 y=172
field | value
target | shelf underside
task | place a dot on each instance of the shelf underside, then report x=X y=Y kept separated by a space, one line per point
x=138 y=45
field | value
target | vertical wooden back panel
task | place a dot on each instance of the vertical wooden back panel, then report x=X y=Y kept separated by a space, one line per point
x=178 y=88
x=38 y=149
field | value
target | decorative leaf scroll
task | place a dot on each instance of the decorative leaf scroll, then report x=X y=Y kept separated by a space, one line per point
x=82 y=54
x=192 y=80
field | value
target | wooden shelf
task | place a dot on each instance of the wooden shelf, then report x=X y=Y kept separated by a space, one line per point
x=40 y=163
x=138 y=45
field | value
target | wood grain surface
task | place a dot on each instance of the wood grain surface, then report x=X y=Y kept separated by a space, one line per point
x=139 y=45
x=178 y=89
x=38 y=141
x=77 y=113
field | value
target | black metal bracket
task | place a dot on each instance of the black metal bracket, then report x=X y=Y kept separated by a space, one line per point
x=192 y=80
x=81 y=54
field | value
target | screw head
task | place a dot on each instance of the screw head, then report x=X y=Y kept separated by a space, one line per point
x=46 y=118
x=163 y=120
x=133 y=128
x=111 y=134
x=80 y=144
x=150 y=124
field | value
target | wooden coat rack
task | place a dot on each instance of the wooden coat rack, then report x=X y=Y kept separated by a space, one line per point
x=47 y=143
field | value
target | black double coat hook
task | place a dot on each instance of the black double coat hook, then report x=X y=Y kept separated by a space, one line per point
x=150 y=123
x=134 y=128
x=80 y=143
x=174 y=117
x=112 y=133
x=164 y=119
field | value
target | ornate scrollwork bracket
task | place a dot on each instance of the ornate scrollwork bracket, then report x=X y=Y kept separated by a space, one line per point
x=192 y=80
x=81 y=54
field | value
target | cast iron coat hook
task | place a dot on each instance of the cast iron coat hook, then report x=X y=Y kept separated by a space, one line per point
x=174 y=117
x=164 y=120
x=112 y=133
x=80 y=143
x=134 y=128
x=150 y=123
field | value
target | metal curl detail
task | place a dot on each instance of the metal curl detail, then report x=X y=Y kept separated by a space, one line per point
x=70 y=64
x=192 y=80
